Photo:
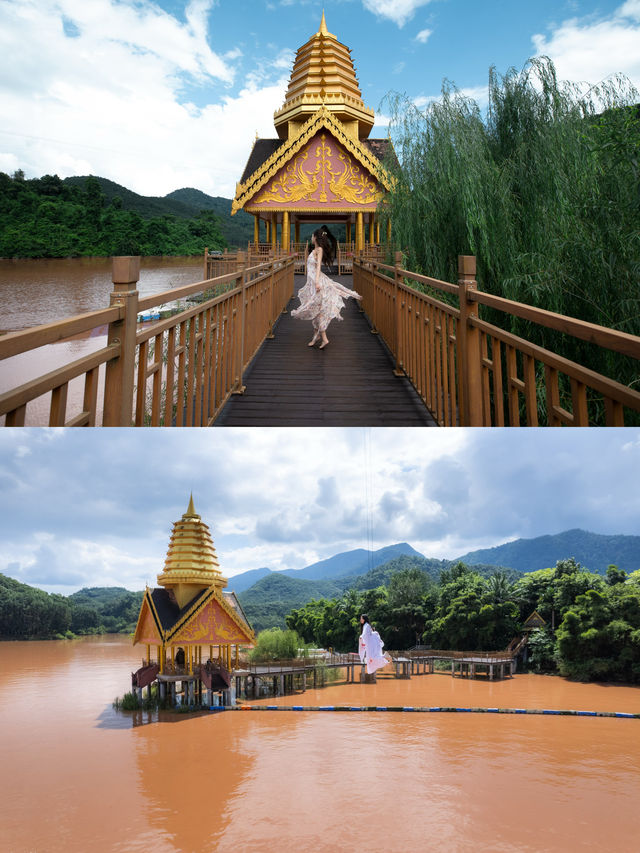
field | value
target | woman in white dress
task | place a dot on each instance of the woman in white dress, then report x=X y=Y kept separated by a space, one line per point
x=321 y=298
x=370 y=647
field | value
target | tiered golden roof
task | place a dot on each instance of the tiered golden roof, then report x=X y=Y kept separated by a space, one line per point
x=323 y=75
x=191 y=564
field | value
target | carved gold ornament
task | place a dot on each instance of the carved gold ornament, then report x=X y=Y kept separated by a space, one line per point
x=345 y=181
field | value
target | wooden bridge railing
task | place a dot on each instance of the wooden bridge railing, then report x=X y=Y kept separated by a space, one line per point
x=470 y=372
x=177 y=371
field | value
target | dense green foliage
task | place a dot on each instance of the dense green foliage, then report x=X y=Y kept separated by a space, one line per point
x=268 y=601
x=592 y=631
x=50 y=218
x=544 y=189
x=276 y=644
x=28 y=613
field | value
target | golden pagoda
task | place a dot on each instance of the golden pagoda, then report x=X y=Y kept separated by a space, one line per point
x=322 y=167
x=190 y=609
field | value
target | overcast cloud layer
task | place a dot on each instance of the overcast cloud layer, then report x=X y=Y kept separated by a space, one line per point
x=158 y=95
x=93 y=508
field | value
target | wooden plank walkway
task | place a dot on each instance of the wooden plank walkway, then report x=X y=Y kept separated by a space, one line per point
x=349 y=383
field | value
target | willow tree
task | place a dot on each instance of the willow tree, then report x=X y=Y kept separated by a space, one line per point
x=543 y=187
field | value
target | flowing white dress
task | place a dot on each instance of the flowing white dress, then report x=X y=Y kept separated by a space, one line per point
x=324 y=305
x=370 y=649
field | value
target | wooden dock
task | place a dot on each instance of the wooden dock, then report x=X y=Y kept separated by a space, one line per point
x=349 y=383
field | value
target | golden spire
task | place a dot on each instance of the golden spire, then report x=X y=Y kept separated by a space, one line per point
x=191 y=564
x=190 y=513
x=323 y=75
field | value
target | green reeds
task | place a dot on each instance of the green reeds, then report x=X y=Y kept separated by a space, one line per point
x=543 y=187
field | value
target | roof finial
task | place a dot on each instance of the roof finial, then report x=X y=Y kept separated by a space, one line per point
x=323 y=26
x=191 y=509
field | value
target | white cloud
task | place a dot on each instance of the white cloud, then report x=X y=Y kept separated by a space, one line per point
x=112 y=100
x=588 y=50
x=423 y=36
x=398 y=11
x=285 y=498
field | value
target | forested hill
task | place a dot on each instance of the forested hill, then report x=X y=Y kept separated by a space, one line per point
x=28 y=613
x=595 y=551
x=51 y=218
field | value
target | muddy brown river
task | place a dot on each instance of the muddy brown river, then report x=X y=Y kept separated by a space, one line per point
x=77 y=776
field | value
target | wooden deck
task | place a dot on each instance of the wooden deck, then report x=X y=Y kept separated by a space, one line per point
x=349 y=383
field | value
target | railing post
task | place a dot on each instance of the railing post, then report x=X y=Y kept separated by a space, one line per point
x=399 y=369
x=205 y=275
x=239 y=388
x=119 y=372
x=469 y=339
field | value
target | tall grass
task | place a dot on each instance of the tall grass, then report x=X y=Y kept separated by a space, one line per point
x=543 y=187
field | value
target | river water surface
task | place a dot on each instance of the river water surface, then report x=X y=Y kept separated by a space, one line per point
x=77 y=776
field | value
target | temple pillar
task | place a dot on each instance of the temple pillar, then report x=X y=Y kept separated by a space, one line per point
x=268 y=228
x=372 y=232
x=359 y=232
x=256 y=229
x=285 y=236
x=388 y=230
x=274 y=232
x=377 y=232
x=297 y=232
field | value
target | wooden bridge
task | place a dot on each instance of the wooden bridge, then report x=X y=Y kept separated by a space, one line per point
x=421 y=353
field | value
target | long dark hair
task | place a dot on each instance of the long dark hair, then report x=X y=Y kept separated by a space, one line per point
x=366 y=618
x=327 y=242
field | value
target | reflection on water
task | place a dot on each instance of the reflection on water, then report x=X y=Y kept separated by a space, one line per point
x=73 y=780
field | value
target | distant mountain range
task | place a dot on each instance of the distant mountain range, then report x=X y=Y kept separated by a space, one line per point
x=267 y=596
x=594 y=551
x=185 y=203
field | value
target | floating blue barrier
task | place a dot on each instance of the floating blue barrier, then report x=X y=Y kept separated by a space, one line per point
x=431 y=709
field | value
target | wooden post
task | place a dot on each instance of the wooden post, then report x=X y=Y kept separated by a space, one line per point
x=470 y=390
x=256 y=230
x=238 y=387
x=205 y=274
x=274 y=234
x=399 y=369
x=372 y=234
x=118 y=386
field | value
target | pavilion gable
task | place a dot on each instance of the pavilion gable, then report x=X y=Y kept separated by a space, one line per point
x=147 y=630
x=210 y=622
x=322 y=167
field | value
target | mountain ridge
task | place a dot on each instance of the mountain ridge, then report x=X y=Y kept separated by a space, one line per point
x=594 y=551
x=185 y=203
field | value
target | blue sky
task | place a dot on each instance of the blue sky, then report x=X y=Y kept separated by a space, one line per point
x=96 y=507
x=157 y=95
